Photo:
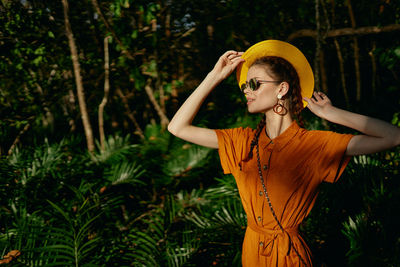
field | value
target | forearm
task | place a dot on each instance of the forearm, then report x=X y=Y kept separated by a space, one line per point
x=364 y=124
x=186 y=113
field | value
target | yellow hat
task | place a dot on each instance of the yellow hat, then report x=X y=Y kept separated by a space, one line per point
x=286 y=51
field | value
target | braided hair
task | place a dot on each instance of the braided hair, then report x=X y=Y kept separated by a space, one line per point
x=281 y=70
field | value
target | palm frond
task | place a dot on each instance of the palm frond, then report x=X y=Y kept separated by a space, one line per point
x=115 y=149
x=67 y=244
x=191 y=156
x=125 y=172
x=226 y=188
x=44 y=160
x=159 y=244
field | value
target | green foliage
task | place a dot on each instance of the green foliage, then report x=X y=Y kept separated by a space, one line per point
x=155 y=201
x=115 y=149
x=159 y=244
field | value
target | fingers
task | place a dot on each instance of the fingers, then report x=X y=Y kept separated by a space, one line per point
x=236 y=61
x=319 y=95
x=232 y=59
x=235 y=55
x=230 y=55
x=309 y=100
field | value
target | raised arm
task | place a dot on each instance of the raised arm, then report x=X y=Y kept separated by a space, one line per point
x=377 y=135
x=181 y=124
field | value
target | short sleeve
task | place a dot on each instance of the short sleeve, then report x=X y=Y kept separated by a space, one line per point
x=232 y=146
x=331 y=159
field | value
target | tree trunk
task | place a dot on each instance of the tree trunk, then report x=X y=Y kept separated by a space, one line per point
x=78 y=80
x=338 y=52
x=48 y=117
x=373 y=64
x=324 y=78
x=318 y=47
x=106 y=92
x=342 y=73
x=356 y=53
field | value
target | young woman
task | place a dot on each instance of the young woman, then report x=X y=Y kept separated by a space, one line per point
x=279 y=166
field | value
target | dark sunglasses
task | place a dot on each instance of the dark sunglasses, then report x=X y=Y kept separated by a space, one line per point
x=254 y=84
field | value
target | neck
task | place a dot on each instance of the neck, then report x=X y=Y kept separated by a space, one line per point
x=276 y=124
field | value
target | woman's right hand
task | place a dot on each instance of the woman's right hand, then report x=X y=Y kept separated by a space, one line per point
x=181 y=124
x=226 y=64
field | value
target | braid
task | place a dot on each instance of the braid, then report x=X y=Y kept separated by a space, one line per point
x=300 y=120
x=281 y=70
x=254 y=142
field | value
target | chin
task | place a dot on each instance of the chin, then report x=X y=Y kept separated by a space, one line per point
x=255 y=110
x=252 y=111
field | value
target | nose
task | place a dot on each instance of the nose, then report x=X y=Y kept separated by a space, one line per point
x=247 y=90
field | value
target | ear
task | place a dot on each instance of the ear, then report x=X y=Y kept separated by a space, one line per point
x=283 y=89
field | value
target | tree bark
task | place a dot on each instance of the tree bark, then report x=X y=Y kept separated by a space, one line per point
x=373 y=65
x=356 y=53
x=318 y=46
x=18 y=138
x=150 y=94
x=324 y=78
x=106 y=93
x=338 y=52
x=129 y=113
x=342 y=73
x=345 y=31
x=78 y=79
x=48 y=117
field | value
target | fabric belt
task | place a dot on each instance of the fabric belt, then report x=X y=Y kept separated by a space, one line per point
x=272 y=236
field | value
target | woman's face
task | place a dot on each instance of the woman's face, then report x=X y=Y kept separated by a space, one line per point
x=265 y=97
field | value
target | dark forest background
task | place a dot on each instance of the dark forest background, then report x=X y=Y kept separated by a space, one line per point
x=89 y=175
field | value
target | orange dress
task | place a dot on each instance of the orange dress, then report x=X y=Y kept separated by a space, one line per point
x=293 y=165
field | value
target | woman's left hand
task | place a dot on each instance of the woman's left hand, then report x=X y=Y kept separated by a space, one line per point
x=320 y=104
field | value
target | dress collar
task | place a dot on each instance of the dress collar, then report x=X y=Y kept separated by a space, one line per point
x=281 y=140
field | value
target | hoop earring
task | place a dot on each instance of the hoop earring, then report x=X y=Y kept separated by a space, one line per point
x=279 y=109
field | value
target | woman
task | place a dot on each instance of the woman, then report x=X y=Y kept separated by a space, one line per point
x=279 y=166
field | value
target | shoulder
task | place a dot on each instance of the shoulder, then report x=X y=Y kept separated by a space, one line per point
x=238 y=132
x=304 y=133
x=321 y=138
x=237 y=138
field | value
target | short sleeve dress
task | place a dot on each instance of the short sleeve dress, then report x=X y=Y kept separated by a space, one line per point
x=293 y=165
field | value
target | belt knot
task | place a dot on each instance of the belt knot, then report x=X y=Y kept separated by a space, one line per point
x=273 y=237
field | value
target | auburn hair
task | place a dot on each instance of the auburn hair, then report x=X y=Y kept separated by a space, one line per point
x=280 y=70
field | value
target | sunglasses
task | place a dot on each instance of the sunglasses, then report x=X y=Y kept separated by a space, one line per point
x=254 y=84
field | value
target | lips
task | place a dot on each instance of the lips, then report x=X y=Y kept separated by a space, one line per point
x=249 y=100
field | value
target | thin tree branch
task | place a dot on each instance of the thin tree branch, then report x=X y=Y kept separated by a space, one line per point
x=106 y=92
x=129 y=113
x=373 y=65
x=345 y=31
x=150 y=94
x=78 y=79
x=18 y=138
x=124 y=51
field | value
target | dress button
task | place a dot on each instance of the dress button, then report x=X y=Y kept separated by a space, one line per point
x=261 y=244
x=265 y=167
x=260 y=193
x=259 y=218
